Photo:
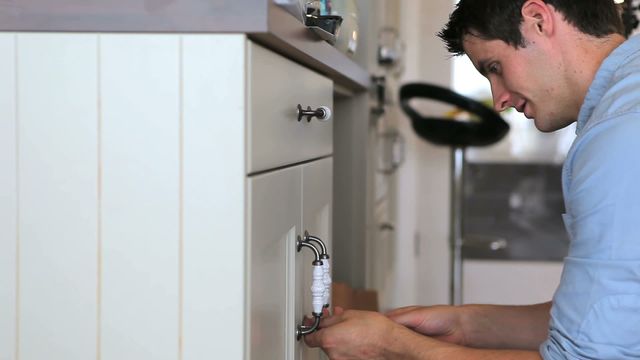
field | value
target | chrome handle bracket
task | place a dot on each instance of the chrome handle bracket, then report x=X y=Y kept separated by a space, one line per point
x=303 y=330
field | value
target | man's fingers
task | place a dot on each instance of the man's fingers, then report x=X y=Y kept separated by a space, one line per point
x=314 y=339
x=331 y=320
x=410 y=318
x=307 y=321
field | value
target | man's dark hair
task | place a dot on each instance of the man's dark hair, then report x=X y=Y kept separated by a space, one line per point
x=501 y=19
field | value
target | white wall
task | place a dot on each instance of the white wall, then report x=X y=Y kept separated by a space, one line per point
x=510 y=282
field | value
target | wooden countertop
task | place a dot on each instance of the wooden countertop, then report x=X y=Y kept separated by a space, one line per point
x=262 y=20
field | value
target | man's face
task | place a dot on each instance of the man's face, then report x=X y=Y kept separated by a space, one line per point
x=530 y=79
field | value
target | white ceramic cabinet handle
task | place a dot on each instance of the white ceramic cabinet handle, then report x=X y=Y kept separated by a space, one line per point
x=317 y=290
x=326 y=279
x=321 y=284
x=326 y=266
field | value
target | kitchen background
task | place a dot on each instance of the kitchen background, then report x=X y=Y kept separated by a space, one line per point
x=514 y=238
x=513 y=232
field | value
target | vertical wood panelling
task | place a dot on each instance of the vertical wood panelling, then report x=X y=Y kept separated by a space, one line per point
x=8 y=198
x=214 y=245
x=99 y=207
x=57 y=190
x=140 y=104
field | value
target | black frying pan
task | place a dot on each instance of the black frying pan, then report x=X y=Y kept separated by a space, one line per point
x=443 y=131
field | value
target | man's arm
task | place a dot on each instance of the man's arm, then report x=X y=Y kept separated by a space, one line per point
x=480 y=326
x=413 y=346
x=507 y=327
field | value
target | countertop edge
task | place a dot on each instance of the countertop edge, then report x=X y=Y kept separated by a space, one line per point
x=262 y=20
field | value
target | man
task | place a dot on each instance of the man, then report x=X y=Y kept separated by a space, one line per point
x=556 y=61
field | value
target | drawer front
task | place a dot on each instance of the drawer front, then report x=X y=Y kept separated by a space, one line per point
x=275 y=137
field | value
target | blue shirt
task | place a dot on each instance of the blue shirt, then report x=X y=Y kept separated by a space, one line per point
x=596 y=308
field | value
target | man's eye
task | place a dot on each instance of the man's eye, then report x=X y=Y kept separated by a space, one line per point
x=493 y=69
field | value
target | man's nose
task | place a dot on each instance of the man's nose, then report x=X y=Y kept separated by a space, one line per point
x=501 y=98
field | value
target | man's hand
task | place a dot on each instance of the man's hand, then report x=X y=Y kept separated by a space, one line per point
x=439 y=322
x=359 y=335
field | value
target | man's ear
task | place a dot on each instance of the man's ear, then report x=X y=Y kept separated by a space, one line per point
x=537 y=17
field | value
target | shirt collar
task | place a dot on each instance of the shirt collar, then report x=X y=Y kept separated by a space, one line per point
x=602 y=80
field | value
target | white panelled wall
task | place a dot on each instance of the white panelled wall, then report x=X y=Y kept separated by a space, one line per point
x=140 y=192
x=213 y=135
x=107 y=248
x=57 y=160
x=8 y=199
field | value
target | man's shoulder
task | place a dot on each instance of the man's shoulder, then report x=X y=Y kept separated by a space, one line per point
x=621 y=100
x=613 y=133
x=608 y=147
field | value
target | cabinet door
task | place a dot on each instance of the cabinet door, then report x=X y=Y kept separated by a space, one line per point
x=316 y=219
x=274 y=222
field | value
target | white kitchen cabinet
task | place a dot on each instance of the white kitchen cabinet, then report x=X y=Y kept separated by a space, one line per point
x=284 y=204
x=151 y=197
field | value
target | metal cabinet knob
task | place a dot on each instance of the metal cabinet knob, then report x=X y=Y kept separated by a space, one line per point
x=323 y=113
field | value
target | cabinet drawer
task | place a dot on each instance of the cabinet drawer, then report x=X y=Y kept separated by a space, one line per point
x=274 y=135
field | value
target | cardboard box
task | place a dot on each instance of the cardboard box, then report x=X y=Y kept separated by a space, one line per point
x=353 y=299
